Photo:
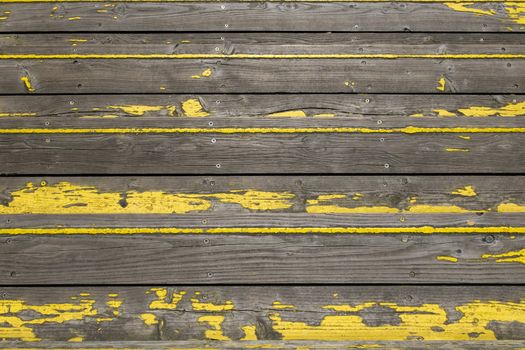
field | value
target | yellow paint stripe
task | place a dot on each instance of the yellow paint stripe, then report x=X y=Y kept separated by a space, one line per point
x=405 y=130
x=260 y=56
x=161 y=1
x=260 y=230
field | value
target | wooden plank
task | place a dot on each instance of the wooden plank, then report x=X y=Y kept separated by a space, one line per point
x=262 y=44
x=255 y=152
x=262 y=16
x=262 y=230
x=226 y=75
x=370 y=315
x=275 y=344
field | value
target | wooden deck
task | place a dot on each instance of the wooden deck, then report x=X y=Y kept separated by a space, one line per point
x=324 y=174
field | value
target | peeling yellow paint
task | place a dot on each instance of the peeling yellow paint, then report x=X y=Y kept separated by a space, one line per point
x=194 y=108
x=443 y=113
x=425 y=322
x=447 y=258
x=74 y=18
x=162 y=295
x=279 y=305
x=17 y=327
x=439 y=209
x=77 y=339
x=249 y=333
x=467 y=191
x=215 y=322
x=205 y=74
x=27 y=84
x=289 y=114
x=335 y=209
x=149 y=319
x=508 y=257
x=510 y=208
x=509 y=110
x=140 y=110
x=198 y=305
x=464 y=7
x=67 y=198
x=441 y=84
x=464 y=137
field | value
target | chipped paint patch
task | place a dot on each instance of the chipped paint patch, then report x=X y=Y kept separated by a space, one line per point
x=510 y=208
x=249 y=333
x=205 y=74
x=15 y=114
x=198 y=305
x=68 y=198
x=215 y=322
x=289 y=114
x=193 y=108
x=163 y=302
x=450 y=149
x=425 y=322
x=149 y=319
x=278 y=305
x=140 y=110
x=441 y=84
x=467 y=191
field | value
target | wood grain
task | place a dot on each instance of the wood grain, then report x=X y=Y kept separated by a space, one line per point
x=411 y=75
x=272 y=314
x=261 y=16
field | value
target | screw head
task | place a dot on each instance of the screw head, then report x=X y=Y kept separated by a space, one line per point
x=210 y=123
x=217 y=166
x=213 y=140
x=387 y=165
x=226 y=25
x=379 y=122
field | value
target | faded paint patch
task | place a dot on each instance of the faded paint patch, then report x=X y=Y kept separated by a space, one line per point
x=193 y=108
x=508 y=257
x=467 y=191
x=140 y=110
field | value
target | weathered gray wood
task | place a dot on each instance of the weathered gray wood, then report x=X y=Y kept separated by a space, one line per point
x=291 y=345
x=359 y=110
x=260 y=259
x=294 y=314
x=408 y=75
x=259 y=16
x=197 y=153
x=262 y=43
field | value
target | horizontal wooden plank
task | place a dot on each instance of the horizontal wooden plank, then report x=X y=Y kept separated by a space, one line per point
x=262 y=230
x=204 y=152
x=372 y=315
x=275 y=344
x=405 y=75
x=260 y=258
x=263 y=44
x=262 y=16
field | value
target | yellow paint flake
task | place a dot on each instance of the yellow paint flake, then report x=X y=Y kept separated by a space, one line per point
x=18 y=327
x=426 y=322
x=467 y=191
x=457 y=149
x=324 y=115
x=357 y=196
x=74 y=18
x=509 y=110
x=149 y=319
x=464 y=137
x=441 y=84
x=215 y=322
x=443 y=113
x=162 y=295
x=210 y=307
x=27 y=84
x=447 y=258
x=509 y=257
x=77 y=339
x=249 y=333
x=205 y=74
x=194 y=108
x=289 y=114
x=510 y=208
x=279 y=305
x=335 y=209
x=140 y=110
x=516 y=11
x=464 y=7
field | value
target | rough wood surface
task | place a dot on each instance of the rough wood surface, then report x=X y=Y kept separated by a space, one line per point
x=258 y=153
x=240 y=313
x=262 y=43
x=263 y=16
x=404 y=75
